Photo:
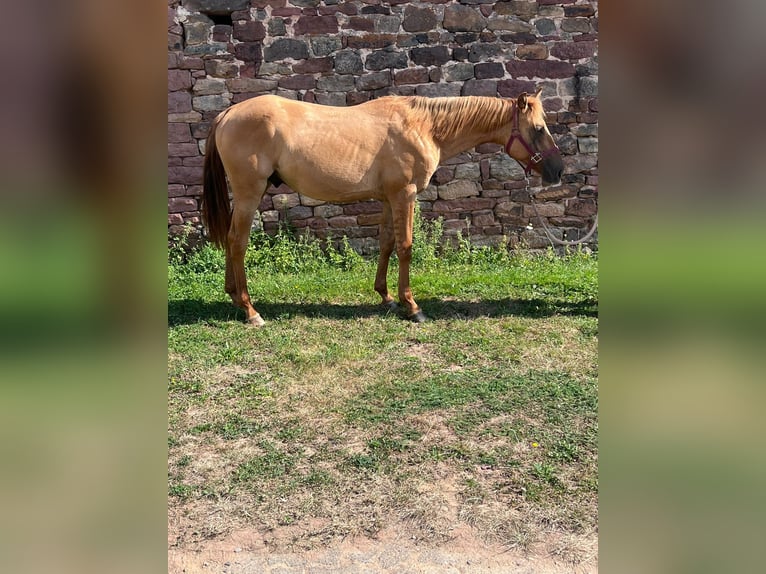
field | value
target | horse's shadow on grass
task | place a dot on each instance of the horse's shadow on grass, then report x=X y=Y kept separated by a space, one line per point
x=190 y=311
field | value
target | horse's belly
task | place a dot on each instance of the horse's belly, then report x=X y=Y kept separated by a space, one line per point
x=332 y=180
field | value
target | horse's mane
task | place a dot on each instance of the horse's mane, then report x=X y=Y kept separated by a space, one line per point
x=451 y=116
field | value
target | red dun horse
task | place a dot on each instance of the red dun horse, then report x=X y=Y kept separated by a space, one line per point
x=386 y=149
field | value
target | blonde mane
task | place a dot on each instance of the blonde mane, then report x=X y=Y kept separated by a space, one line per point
x=451 y=116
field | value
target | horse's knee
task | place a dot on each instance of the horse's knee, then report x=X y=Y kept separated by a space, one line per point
x=404 y=252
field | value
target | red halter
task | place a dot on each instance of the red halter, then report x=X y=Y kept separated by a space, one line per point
x=534 y=157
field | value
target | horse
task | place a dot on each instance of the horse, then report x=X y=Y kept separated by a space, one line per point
x=385 y=149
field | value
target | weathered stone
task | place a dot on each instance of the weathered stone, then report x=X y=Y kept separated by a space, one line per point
x=411 y=76
x=316 y=25
x=328 y=210
x=178 y=80
x=325 y=45
x=579 y=163
x=575 y=25
x=336 y=83
x=459 y=71
x=222 y=33
x=509 y=25
x=381 y=59
x=480 y=88
x=546 y=26
x=430 y=193
x=532 y=52
x=587 y=87
x=361 y=24
x=463 y=204
x=337 y=99
x=484 y=52
x=248 y=31
x=432 y=56
x=181 y=204
x=191 y=63
x=253 y=85
x=470 y=171
x=372 y=41
x=585 y=130
x=298 y=82
x=384 y=24
x=215 y=6
x=198 y=31
x=209 y=86
x=418 y=19
x=363 y=207
x=277 y=27
x=182 y=149
x=489 y=70
x=443 y=175
x=221 y=68
x=312 y=66
x=348 y=62
x=574 y=50
x=285 y=201
x=179 y=133
x=544 y=210
x=587 y=145
x=503 y=168
x=520 y=8
x=458 y=18
x=286 y=48
x=179 y=102
x=374 y=81
x=209 y=49
x=211 y=103
x=185 y=175
x=579 y=10
x=540 y=69
x=438 y=90
x=551 y=10
x=567 y=144
x=581 y=207
x=184 y=117
x=300 y=212
x=342 y=221
x=458 y=188
x=249 y=51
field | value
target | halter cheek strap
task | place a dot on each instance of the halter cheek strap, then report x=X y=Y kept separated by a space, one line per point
x=534 y=157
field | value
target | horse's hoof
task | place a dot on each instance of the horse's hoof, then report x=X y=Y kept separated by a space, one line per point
x=255 y=321
x=418 y=317
x=391 y=305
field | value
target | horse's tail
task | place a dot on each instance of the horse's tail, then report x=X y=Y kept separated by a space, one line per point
x=216 y=210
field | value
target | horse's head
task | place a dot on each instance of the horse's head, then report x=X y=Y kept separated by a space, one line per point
x=530 y=142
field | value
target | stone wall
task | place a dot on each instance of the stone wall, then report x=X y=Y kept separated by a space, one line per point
x=341 y=53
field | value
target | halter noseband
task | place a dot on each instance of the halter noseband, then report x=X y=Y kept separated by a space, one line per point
x=534 y=157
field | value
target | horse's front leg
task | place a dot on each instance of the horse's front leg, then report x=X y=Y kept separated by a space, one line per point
x=403 y=215
x=386 y=248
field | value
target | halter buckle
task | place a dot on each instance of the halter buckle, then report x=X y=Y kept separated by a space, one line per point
x=536 y=158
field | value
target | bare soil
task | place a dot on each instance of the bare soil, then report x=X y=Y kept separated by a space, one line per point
x=252 y=551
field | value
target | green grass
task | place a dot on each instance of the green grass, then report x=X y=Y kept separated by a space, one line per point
x=342 y=412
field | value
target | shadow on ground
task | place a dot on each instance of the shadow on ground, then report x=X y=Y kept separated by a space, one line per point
x=190 y=311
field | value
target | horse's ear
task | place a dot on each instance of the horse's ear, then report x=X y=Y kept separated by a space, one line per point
x=522 y=102
x=538 y=92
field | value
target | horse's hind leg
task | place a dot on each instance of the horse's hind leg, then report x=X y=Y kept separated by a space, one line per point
x=245 y=205
x=386 y=248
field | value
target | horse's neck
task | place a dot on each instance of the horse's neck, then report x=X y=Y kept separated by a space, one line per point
x=492 y=128
x=468 y=140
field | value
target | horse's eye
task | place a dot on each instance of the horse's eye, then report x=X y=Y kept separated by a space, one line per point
x=540 y=129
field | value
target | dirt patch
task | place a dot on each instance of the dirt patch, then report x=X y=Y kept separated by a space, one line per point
x=251 y=552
